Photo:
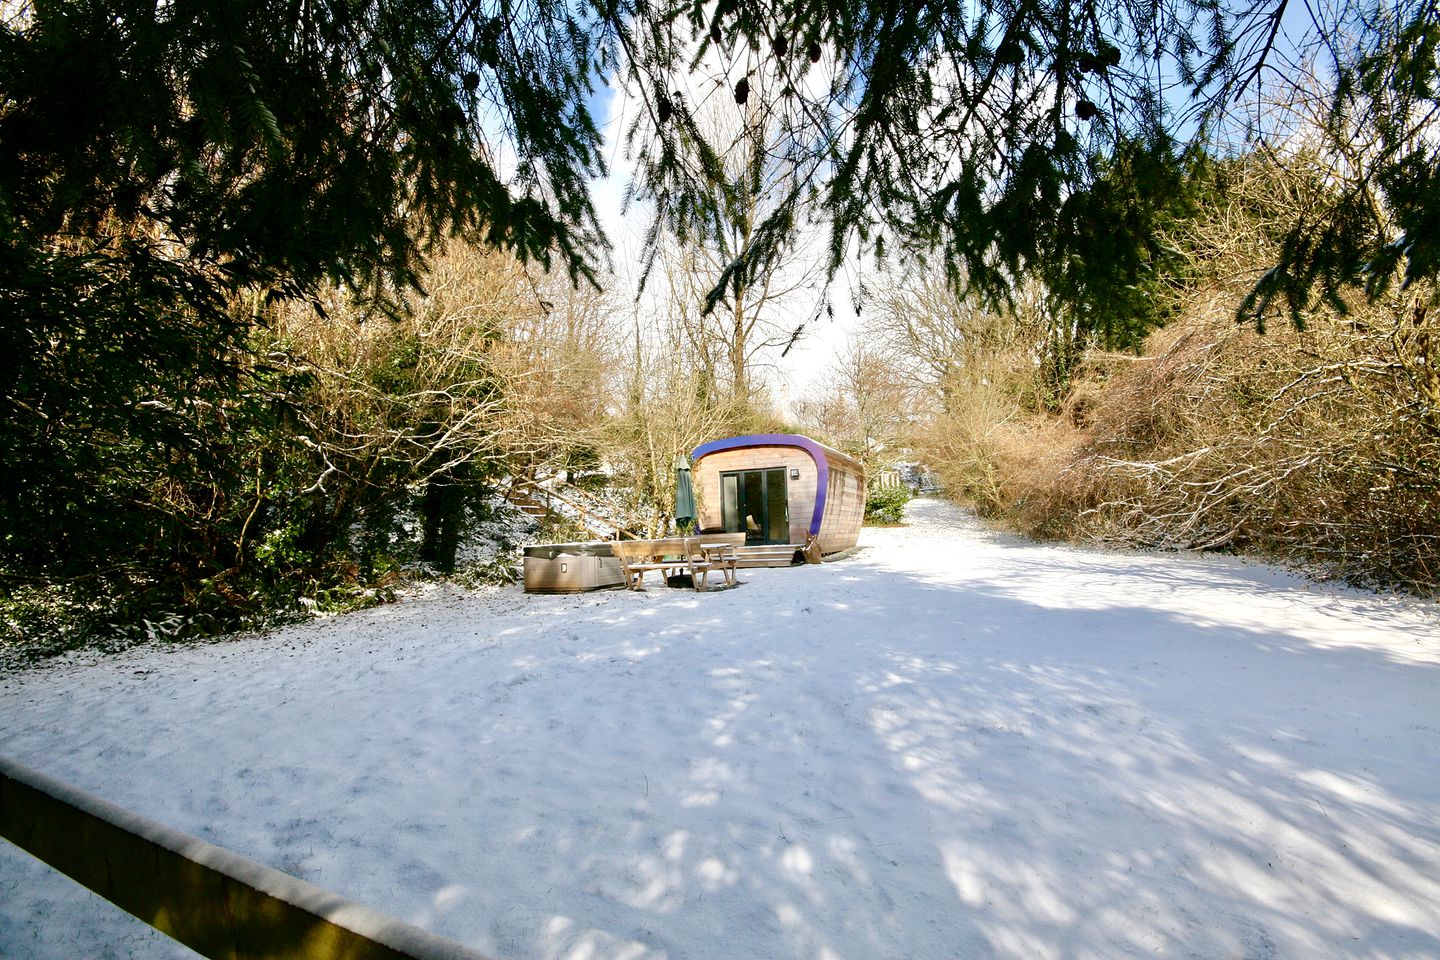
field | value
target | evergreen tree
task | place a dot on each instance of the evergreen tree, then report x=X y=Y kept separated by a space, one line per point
x=165 y=167
x=1015 y=139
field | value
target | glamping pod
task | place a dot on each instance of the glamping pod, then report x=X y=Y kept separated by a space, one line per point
x=780 y=488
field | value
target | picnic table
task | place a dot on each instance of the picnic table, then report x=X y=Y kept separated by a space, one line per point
x=672 y=556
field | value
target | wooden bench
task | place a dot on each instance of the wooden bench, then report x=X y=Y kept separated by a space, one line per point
x=719 y=555
x=671 y=556
x=639 y=557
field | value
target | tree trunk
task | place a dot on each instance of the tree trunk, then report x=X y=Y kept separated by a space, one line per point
x=739 y=386
x=442 y=517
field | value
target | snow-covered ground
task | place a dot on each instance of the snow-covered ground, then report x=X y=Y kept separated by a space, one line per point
x=950 y=745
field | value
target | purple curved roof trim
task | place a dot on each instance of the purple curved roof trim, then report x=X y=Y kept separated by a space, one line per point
x=817 y=453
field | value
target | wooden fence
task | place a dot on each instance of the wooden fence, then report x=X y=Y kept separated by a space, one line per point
x=216 y=902
x=886 y=479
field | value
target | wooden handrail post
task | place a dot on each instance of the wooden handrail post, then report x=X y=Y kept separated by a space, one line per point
x=216 y=902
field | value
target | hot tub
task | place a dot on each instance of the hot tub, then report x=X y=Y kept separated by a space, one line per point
x=571 y=567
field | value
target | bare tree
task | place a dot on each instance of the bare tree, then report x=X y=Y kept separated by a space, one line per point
x=488 y=368
x=559 y=363
x=730 y=318
x=946 y=344
x=864 y=405
x=669 y=408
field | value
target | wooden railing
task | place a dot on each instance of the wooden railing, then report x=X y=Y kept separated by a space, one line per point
x=886 y=479
x=216 y=902
x=588 y=514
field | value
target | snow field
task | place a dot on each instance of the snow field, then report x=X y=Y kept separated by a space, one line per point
x=950 y=745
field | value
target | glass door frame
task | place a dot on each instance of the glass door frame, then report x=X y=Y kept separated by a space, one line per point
x=733 y=510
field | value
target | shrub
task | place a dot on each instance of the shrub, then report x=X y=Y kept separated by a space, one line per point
x=1317 y=446
x=885 y=506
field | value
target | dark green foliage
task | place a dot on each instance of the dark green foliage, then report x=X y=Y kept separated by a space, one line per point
x=280 y=143
x=1015 y=139
x=442 y=513
x=113 y=388
x=158 y=162
x=951 y=131
x=885 y=506
x=1112 y=236
x=166 y=174
x=284 y=502
x=1382 y=222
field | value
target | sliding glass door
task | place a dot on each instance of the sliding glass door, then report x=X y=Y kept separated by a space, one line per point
x=754 y=501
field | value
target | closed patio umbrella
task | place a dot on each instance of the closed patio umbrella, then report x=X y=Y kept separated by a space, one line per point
x=684 y=494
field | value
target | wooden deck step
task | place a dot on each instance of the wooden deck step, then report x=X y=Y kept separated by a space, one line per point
x=541 y=501
x=769 y=555
x=527 y=506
